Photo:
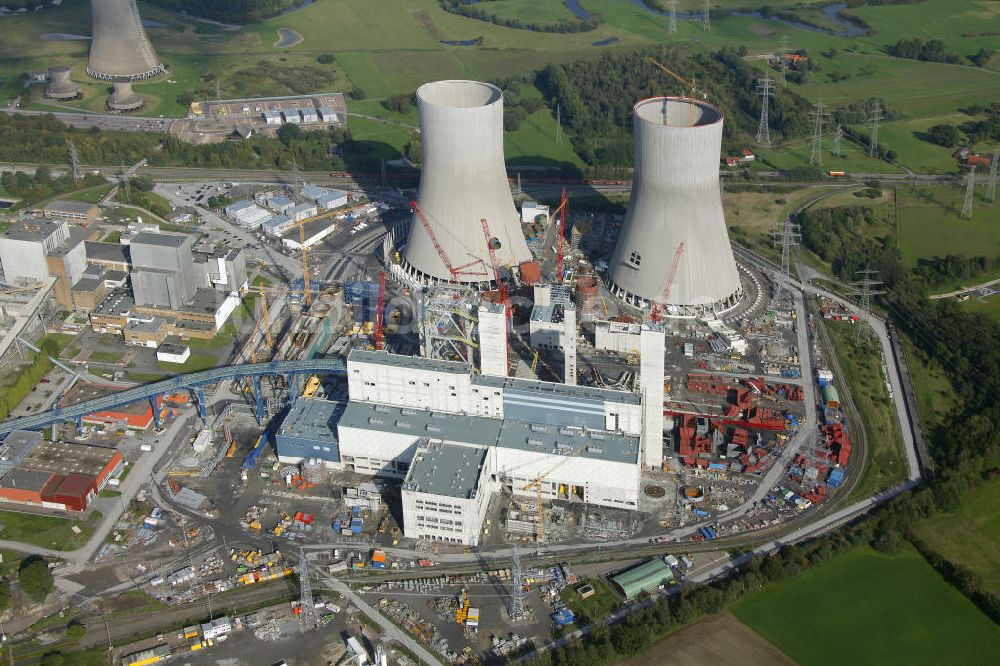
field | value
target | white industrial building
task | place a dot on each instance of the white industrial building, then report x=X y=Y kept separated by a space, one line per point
x=291 y=116
x=530 y=211
x=280 y=204
x=333 y=199
x=429 y=422
x=278 y=225
x=302 y=211
x=247 y=214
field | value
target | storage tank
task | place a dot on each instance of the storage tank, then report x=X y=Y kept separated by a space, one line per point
x=830 y=396
x=676 y=200
x=586 y=298
x=463 y=181
x=120 y=48
x=313 y=470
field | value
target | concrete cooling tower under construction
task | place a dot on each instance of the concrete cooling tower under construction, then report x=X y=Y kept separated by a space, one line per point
x=463 y=181
x=674 y=227
x=119 y=48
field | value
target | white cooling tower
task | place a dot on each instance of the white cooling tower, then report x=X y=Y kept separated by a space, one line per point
x=463 y=180
x=119 y=48
x=676 y=199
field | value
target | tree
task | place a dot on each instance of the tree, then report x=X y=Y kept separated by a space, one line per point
x=144 y=183
x=944 y=135
x=325 y=59
x=289 y=133
x=75 y=630
x=4 y=594
x=53 y=659
x=357 y=93
x=35 y=577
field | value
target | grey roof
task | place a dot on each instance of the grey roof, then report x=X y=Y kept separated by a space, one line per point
x=279 y=200
x=446 y=469
x=242 y=204
x=25 y=479
x=35 y=229
x=62 y=205
x=564 y=390
x=172 y=348
x=118 y=302
x=554 y=440
x=400 y=361
x=314 y=419
x=302 y=207
x=163 y=240
x=106 y=251
x=333 y=195
x=311 y=191
x=89 y=283
x=16 y=446
x=420 y=423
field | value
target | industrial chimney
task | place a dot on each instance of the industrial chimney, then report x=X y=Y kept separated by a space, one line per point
x=463 y=181
x=119 y=48
x=675 y=201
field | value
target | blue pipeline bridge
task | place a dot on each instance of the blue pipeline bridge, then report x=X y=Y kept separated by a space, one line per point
x=193 y=382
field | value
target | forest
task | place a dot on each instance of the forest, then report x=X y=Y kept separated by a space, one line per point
x=595 y=98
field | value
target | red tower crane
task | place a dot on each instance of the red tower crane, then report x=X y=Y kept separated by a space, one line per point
x=655 y=315
x=380 y=312
x=562 y=235
x=452 y=270
x=491 y=242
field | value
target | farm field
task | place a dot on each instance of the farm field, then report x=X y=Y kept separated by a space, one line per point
x=880 y=609
x=970 y=536
x=721 y=640
x=929 y=224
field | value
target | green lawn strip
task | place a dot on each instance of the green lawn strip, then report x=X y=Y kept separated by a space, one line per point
x=881 y=609
x=195 y=363
x=46 y=531
x=929 y=224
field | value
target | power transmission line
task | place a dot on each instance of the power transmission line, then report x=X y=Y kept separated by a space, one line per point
x=970 y=191
x=819 y=112
x=873 y=120
x=516 y=586
x=307 y=605
x=787 y=237
x=672 y=29
x=991 y=187
x=765 y=88
x=707 y=21
x=558 y=123
x=837 y=136
x=864 y=288
x=784 y=61
x=125 y=183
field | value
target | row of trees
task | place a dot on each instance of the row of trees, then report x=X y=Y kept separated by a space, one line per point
x=231 y=11
x=31 y=188
x=28 y=379
x=932 y=50
x=476 y=9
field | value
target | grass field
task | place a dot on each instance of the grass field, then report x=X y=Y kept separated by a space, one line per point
x=929 y=224
x=971 y=536
x=194 y=363
x=46 y=531
x=603 y=602
x=885 y=465
x=864 y=607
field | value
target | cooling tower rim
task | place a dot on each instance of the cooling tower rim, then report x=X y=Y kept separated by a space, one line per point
x=688 y=101
x=431 y=94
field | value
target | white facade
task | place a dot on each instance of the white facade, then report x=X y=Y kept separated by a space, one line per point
x=278 y=225
x=652 y=350
x=291 y=116
x=569 y=345
x=292 y=240
x=493 y=340
x=531 y=210
x=616 y=336
x=23 y=260
x=302 y=212
x=169 y=355
x=331 y=200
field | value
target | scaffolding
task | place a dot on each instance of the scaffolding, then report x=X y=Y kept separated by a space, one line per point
x=448 y=322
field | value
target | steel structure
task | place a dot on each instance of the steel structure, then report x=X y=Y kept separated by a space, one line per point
x=874 y=117
x=991 y=185
x=838 y=134
x=448 y=322
x=516 y=610
x=970 y=193
x=672 y=29
x=120 y=48
x=864 y=288
x=786 y=237
x=307 y=605
x=675 y=200
x=463 y=180
x=765 y=88
x=194 y=381
x=819 y=114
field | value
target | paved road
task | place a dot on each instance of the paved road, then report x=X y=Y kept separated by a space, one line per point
x=957 y=292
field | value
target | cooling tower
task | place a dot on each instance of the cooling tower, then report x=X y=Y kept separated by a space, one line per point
x=124 y=99
x=119 y=48
x=463 y=180
x=60 y=86
x=676 y=199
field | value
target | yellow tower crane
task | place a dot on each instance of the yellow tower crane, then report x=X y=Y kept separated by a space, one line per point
x=692 y=85
x=536 y=484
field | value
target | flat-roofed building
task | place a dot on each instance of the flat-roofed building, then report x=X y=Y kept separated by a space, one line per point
x=74 y=211
x=446 y=493
x=34 y=249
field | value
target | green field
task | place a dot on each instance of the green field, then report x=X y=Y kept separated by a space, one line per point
x=885 y=465
x=194 y=363
x=929 y=224
x=864 y=607
x=46 y=531
x=971 y=536
x=604 y=601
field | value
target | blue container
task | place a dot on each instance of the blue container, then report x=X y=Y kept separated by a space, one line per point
x=356 y=526
x=836 y=478
x=356 y=511
x=336 y=524
x=700 y=512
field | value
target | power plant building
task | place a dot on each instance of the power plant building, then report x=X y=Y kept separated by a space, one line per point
x=60 y=87
x=430 y=422
x=675 y=214
x=463 y=181
x=119 y=47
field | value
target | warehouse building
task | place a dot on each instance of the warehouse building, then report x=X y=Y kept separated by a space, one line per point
x=408 y=415
x=32 y=250
x=646 y=577
x=54 y=475
x=73 y=211
x=247 y=214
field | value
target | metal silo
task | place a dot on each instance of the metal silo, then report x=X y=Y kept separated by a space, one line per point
x=463 y=181
x=675 y=201
x=119 y=48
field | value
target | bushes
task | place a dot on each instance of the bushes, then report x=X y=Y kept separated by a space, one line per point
x=26 y=380
x=475 y=10
x=35 y=577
